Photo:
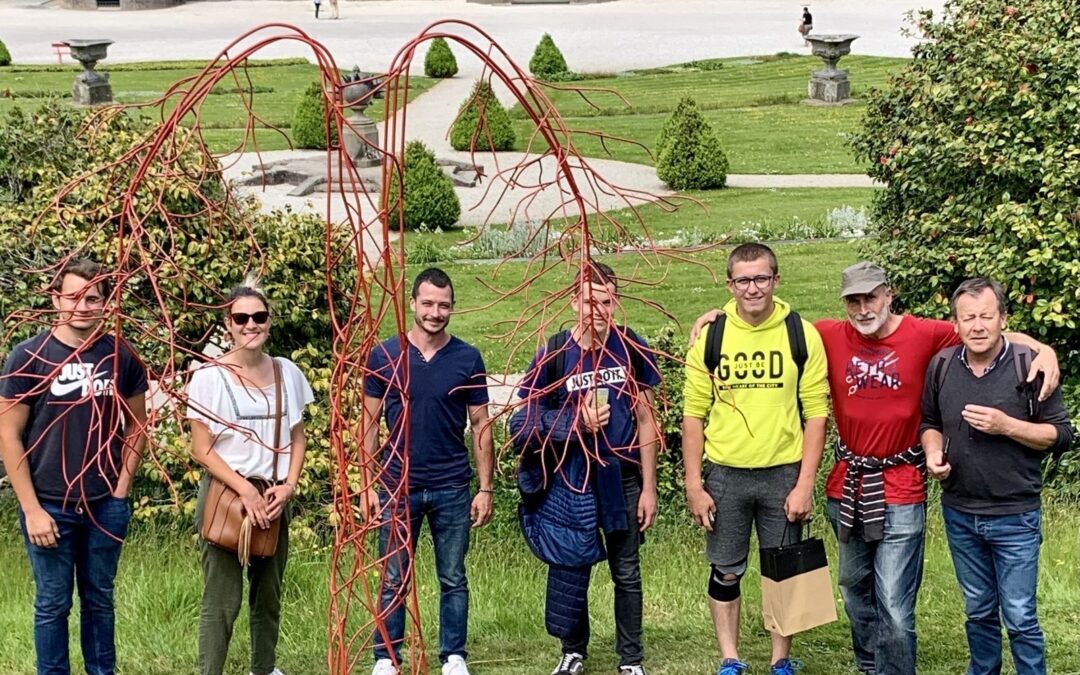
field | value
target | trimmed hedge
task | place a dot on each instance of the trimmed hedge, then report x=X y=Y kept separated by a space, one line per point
x=430 y=200
x=439 y=61
x=482 y=123
x=689 y=156
x=5 y=55
x=309 y=120
x=547 y=61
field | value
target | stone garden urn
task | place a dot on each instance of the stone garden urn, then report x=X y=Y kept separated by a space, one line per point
x=830 y=84
x=91 y=87
x=360 y=135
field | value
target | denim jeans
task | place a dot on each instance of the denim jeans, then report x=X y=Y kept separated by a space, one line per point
x=448 y=515
x=879 y=582
x=624 y=563
x=86 y=556
x=997 y=564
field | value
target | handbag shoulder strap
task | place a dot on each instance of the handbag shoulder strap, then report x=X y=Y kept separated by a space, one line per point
x=277 y=416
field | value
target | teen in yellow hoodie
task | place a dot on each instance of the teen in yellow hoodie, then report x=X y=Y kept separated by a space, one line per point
x=760 y=462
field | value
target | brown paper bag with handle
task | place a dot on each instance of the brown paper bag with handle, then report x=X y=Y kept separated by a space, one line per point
x=796 y=589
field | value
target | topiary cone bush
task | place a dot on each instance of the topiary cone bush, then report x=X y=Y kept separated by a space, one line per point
x=309 y=120
x=5 y=55
x=430 y=199
x=482 y=123
x=547 y=61
x=688 y=152
x=439 y=61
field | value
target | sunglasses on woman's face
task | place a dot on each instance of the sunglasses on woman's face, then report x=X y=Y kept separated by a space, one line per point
x=241 y=318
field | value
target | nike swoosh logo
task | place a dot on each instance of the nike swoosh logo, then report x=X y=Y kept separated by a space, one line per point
x=59 y=388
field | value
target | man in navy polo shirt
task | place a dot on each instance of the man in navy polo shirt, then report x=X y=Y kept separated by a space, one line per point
x=447 y=386
x=607 y=449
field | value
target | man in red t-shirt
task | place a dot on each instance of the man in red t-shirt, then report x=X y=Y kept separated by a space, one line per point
x=877 y=369
x=877 y=488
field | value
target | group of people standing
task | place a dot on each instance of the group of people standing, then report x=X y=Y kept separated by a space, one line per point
x=970 y=405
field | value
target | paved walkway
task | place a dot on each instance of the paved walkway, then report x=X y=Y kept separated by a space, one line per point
x=608 y=36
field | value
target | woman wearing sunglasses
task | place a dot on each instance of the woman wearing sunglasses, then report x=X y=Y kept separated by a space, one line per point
x=235 y=413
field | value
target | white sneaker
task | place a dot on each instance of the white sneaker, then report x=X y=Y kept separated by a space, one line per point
x=455 y=665
x=384 y=667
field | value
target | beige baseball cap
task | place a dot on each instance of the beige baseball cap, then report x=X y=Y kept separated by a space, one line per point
x=862 y=277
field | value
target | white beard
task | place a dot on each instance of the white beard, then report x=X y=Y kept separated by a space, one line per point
x=868 y=330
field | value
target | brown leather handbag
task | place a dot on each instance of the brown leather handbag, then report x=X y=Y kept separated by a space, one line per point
x=224 y=522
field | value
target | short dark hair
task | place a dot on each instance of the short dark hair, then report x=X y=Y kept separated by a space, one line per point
x=86 y=269
x=247 y=290
x=749 y=253
x=599 y=273
x=975 y=287
x=434 y=276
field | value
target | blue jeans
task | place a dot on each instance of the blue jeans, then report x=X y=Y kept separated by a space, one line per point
x=997 y=564
x=448 y=516
x=86 y=555
x=879 y=582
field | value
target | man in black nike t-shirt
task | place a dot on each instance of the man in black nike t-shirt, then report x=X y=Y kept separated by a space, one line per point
x=72 y=430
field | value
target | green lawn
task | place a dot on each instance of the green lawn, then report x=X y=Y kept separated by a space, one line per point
x=159 y=586
x=752 y=103
x=277 y=86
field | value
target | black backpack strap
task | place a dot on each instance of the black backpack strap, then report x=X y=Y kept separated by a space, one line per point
x=555 y=367
x=799 y=354
x=714 y=341
x=1022 y=358
x=940 y=366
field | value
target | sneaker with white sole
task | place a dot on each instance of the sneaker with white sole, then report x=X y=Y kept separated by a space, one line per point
x=570 y=664
x=275 y=671
x=455 y=665
x=632 y=670
x=384 y=667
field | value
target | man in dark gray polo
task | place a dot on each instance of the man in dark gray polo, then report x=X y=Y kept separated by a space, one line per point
x=985 y=434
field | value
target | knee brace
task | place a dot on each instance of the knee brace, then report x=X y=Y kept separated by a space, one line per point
x=721 y=588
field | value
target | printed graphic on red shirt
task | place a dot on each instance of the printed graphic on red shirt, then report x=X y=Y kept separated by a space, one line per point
x=868 y=371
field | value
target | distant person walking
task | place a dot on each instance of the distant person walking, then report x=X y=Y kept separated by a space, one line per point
x=334 y=9
x=317 y=4
x=805 y=26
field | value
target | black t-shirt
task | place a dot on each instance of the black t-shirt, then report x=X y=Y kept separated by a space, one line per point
x=807 y=18
x=74 y=433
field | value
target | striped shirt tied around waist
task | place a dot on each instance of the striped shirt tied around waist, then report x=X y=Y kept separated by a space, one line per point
x=863 y=499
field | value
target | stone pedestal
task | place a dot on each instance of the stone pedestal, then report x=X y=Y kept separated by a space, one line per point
x=91 y=87
x=830 y=85
x=359 y=135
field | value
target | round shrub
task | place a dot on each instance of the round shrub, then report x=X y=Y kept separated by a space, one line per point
x=5 y=55
x=439 y=61
x=430 y=200
x=482 y=123
x=547 y=61
x=688 y=152
x=309 y=120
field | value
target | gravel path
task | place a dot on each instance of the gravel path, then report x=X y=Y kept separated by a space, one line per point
x=608 y=36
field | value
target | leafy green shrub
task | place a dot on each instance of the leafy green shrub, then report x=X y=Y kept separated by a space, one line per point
x=41 y=152
x=426 y=252
x=482 y=122
x=688 y=152
x=547 y=61
x=439 y=61
x=309 y=120
x=430 y=200
x=520 y=239
x=5 y=55
x=977 y=141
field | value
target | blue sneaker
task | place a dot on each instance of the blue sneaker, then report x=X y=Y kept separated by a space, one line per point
x=786 y=667
x=732 y=667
